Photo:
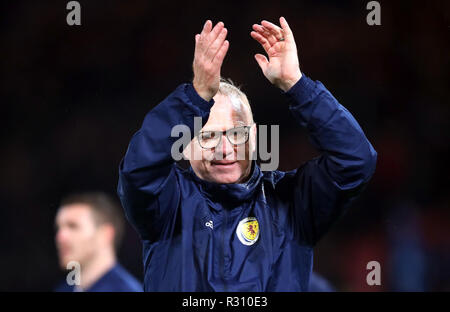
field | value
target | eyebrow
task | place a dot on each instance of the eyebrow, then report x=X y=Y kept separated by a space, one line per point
x=241 y=124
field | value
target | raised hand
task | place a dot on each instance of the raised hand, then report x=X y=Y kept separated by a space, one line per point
x=210 y=50
x=282 y=69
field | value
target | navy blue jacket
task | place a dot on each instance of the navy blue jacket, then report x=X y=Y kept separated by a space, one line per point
x=317 y=283
x=115 y=280
x=190 y=228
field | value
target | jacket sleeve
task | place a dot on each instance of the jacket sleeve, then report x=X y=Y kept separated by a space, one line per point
x=325 y=186
x=148 y=187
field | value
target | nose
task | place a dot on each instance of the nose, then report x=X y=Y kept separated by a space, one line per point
x=61 y=236
x=225 y=148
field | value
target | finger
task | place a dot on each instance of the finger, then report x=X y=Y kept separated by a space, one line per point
x=262 y=30
x=266 y=34
x=270 y=36
x=215 y=46
x=212 y=36
x=287 y=30
x=262 y=40
x=197 y=37
x=220 y=55
x=274 y=29
x=262 y=61
x=206 y=30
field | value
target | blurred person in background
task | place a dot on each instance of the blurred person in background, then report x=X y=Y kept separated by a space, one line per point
x=89 y=230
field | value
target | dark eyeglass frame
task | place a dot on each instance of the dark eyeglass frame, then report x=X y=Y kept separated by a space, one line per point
x=225 y=132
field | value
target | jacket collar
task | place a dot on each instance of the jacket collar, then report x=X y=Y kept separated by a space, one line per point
x=230 y=193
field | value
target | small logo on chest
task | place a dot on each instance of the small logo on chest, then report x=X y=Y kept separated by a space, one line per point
x=248 y=231
x=210 y=224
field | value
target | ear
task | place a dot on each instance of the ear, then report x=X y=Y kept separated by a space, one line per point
x=108 y=233
x=187 y=152
x=253 y=132
x=193 y=151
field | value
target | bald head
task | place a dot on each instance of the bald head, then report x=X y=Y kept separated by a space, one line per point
x=238 y=100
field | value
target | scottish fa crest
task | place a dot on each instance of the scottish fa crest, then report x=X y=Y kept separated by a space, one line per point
x=248 y=231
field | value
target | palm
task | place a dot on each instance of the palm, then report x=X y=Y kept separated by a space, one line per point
x=279 y=61
x=210 y=50
x=282 y=68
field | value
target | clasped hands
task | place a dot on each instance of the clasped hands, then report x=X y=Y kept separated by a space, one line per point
x=281 y=67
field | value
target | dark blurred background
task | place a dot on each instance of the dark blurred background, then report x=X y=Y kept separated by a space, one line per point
x=72 y=96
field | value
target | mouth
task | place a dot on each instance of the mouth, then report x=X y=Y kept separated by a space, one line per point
x=63 y=251
x=224 y=164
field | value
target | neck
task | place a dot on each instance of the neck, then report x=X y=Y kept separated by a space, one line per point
x=247 y=175
x=93 y=270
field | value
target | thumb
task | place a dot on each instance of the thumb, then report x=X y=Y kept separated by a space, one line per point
x=262 y=61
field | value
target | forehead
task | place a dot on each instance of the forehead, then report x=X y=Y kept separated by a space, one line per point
x=74 y=213
x=227 y=112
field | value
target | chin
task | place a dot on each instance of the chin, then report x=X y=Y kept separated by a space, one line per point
x=226 y=177
x=220 y=174
x=63 y=261
x=66 y=258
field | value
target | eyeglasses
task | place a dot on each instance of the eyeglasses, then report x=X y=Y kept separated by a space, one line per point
x=236 y=136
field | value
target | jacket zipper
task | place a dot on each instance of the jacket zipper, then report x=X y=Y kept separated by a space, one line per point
x=225 y=225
